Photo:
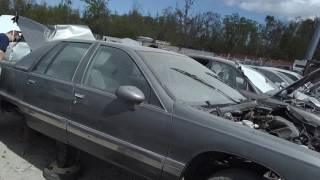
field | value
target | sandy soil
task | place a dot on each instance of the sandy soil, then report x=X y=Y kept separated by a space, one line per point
x=25 y=160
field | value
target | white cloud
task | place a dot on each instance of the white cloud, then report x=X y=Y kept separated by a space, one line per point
x=286 y=8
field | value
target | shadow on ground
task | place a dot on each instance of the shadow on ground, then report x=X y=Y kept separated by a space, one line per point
x=25 y=159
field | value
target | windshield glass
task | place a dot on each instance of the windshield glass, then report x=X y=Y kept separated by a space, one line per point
x=260 y=81
x=189 y=81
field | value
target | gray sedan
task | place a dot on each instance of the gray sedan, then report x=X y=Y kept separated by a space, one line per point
x=158 y=114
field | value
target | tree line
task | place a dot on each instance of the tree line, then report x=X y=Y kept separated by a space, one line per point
x=229 y=34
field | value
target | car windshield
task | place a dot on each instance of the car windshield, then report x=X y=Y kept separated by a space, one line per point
x=258 y=80
x=189 y=81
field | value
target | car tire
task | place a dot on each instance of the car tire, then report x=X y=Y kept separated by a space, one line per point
x=235 y=174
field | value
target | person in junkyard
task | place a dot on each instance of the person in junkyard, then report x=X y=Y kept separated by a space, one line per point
x=5 y=39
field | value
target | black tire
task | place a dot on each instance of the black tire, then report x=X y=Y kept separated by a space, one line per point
x=66 y=155
x=235 y=174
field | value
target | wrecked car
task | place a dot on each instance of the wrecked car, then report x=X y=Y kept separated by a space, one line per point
x=158 y=114
x=256 y=86
x=35 y=34
x=240 y=77
x=303 y=93
x=274 y=76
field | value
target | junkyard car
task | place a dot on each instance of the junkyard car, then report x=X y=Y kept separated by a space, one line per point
x=35 y=34
x=274 y=76
x=290 y=74
x=240 y=77
x=158 y=114
x=302 y=93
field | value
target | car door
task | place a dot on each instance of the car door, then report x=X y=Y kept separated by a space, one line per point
x=104 y=126
x=49 y=89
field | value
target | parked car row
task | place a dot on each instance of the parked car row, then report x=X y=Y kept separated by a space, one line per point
x=164 y=115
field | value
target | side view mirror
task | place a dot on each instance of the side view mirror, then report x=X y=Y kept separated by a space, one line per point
x=130 y=94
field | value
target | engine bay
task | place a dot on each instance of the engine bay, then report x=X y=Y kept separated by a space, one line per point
x=283 y=121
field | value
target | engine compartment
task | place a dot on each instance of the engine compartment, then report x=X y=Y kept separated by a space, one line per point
x=282 y=121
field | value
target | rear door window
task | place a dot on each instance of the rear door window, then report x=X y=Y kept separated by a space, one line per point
x=46 y=59
x=62 y=65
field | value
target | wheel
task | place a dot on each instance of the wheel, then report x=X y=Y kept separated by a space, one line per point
x=235 y=174
x=66 y=155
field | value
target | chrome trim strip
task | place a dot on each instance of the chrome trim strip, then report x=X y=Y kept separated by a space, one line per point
x=148 y=157
x=173 y=167
x=115 y=144
x=38 y=113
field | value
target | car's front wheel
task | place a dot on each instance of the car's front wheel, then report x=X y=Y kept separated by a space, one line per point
x=235 y=174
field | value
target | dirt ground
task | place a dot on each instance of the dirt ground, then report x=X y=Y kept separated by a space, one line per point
x=25 y=160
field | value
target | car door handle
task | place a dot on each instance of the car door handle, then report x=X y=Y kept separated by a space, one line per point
x=31 y=82
x=79 y=96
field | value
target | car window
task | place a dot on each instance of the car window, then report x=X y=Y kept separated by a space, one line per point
x=241 y=83
x=229 y=75
x=204 y=62
x=46 y=59
x=259 y=80
x=65 y=63
x=111 y=68
x=272 y=76
x=294 y=78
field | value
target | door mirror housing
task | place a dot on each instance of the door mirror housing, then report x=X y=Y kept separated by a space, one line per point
x=132 y=95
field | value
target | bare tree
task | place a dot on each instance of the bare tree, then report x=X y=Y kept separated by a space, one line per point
x=184 y=19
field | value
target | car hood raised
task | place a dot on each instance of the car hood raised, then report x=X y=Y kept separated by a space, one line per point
x=37 y=34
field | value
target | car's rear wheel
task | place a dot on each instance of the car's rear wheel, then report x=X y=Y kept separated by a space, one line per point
x=235 y=174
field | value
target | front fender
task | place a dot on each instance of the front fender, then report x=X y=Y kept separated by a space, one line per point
x=196 y=132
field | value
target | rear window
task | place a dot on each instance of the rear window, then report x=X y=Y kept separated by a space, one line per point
x=62 y=61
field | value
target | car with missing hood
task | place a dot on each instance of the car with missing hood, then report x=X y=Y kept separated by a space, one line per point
x=158 y=114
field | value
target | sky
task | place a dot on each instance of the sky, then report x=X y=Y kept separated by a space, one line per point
x=253 y=9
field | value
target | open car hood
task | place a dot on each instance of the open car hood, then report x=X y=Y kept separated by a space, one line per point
x=313 y=78
x=36 y=34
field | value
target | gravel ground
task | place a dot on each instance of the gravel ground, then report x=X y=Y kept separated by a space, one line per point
x=25 y=160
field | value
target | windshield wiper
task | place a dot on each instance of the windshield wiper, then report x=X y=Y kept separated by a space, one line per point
x=195 y=77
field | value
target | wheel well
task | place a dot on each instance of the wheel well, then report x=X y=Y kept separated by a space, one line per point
x=9 y=107
x=207 y=163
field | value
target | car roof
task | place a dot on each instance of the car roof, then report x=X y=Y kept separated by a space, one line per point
x=26 y=64
x=125 y=46
x=283 y=70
